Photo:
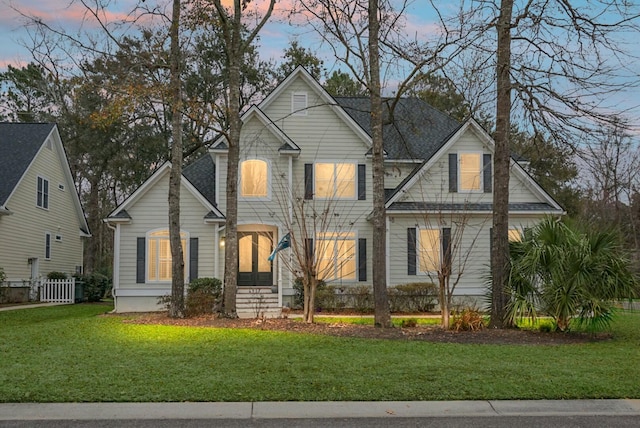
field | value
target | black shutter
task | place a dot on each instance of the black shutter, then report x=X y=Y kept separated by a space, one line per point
x=308 y=249
x=362 y=259
x=193 y=259
x=362 y=182
x=308 y=181
x=486 y=171
x=411 y=251
x=140 y=259
x=446 y=246
x=453 y=172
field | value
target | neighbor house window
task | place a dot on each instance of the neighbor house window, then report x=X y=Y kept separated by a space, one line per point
x=336 y=256
x=299 y=104
x=335 y=180
x=47 y=246
x=42 y=199
x=159 y=255
x=254 y=179
x=429 y=250
x=470 y=171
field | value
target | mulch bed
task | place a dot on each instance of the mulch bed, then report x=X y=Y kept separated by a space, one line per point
x=423 y=333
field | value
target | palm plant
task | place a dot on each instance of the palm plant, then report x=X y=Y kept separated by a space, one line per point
x=568 y=273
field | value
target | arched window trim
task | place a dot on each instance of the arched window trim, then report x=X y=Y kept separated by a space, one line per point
x=267 y=162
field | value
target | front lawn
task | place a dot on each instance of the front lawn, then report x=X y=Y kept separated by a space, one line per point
x=69 y=353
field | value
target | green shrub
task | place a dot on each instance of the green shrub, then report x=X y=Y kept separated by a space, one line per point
x=204 y=296
x=362 y=298
x=96 y=286
x=330 y=298
x=3 y=276
x=413 y=297
x=546 y=326
x=56 y=275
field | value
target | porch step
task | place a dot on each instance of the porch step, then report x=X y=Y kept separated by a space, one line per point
x=255 y=302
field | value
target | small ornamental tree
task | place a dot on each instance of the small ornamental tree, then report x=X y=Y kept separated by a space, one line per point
x=569 y=272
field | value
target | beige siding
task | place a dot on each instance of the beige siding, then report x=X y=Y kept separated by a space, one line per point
x=22 y=235
x=150 y=212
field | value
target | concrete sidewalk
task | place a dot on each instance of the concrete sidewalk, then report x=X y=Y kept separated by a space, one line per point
x=323 y=409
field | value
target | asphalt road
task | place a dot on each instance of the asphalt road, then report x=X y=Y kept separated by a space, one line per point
x=622 y=421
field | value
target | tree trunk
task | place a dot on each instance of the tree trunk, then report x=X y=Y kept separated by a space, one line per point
x=443 y=297
x=500 y=245
x=234 y=57
x=382 y=314
x=176 y=309
x=310 y=299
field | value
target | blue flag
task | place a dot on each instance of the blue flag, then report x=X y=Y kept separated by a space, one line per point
x=285 y=242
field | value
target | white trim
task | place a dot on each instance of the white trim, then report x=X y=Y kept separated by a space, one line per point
x=266 y=122
x=334 y=196
x=459 y=155
x=44 y=181
x=486 y=140
x=324 y=96
x=419 y=271
x=480 y=212
x=299 y=110
x=150 y=182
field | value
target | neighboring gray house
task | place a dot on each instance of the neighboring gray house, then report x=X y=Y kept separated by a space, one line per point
x=41 y=220
x=302 y=146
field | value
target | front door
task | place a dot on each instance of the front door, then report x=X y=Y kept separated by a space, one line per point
x=254 y=268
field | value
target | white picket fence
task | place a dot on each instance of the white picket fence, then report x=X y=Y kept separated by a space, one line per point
x=58 y=290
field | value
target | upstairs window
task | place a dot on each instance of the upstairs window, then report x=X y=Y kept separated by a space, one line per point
x=42 y=200
x=159 y=255
x=254 y=179
x=335 y=180
x=299 y=104
x=470 y=171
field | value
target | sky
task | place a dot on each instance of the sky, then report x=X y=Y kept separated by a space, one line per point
x=275 y=37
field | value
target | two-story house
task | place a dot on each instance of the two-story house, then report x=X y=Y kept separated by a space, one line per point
x=42 y=223
x=305 y=161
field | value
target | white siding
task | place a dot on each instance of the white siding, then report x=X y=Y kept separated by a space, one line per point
x=22 y=235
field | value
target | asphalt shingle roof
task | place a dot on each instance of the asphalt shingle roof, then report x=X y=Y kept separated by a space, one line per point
x=202 y=174
x=417 y=132
x=433 y=206
x=19 y=144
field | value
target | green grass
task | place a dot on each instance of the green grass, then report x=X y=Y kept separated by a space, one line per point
x=368 y=320
x=69 y=354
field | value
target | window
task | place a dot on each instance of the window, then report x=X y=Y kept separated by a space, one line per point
x=47 y=246
x=159 y=255
x=254 y=179
x=515 y=235
x=59 y=238
x=299 y=104
x=429 y=250
x=61 y=186
x=335 y=180
x=336 y=256
x=471 y=171
x=42 y=200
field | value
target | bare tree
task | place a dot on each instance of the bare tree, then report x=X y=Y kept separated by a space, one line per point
x=561 y=63
x=362 y=34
